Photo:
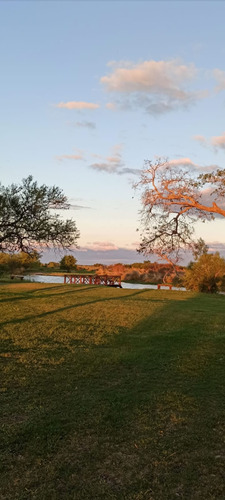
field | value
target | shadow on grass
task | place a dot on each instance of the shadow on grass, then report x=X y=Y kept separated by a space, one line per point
x=27 y=295
x=141 y=420
x=73 y=306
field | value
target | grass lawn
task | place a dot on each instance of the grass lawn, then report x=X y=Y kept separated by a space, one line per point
x=111 y=394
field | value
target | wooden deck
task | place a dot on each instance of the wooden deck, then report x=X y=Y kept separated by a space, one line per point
x=93 y=279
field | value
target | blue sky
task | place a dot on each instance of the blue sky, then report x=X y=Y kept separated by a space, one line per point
x=91 y=89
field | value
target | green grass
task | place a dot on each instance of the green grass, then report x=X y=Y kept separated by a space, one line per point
x=111 y=394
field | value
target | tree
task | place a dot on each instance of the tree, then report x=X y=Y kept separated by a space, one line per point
x=199 y=248
x=207 y=274
x=19 y=262
x=68 y=262
x=28 y=219
x=172 y=202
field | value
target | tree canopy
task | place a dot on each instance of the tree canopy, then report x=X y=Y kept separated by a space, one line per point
x=68 y=262
x=173 y=200
x=28 y=218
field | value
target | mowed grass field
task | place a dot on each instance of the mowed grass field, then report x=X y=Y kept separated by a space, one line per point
x=111 y=394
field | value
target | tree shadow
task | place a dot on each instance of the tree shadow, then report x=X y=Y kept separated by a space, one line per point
x=70 y=307
x=140 y=420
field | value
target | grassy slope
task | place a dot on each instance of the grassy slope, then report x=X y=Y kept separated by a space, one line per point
x=111 y=394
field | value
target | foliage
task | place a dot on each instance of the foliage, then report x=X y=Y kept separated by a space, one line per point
x=68 y=262
x=52 y=264
x=172 y=202
x=207 y=274
x=19 y=262
x=28 y=218
x=111 y=394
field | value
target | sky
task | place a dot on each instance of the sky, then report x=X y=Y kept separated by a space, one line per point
x=91 y=89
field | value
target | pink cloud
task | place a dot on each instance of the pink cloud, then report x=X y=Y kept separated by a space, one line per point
x=77 y=105
x=102 y=246
x=182 y=162
x=201 y=139
x=155 y=76
x=220 y=77
x=69 y=157
x=156 y=86
x=218 y=141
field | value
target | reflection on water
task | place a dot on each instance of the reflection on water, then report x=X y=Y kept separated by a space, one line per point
x=39 y=278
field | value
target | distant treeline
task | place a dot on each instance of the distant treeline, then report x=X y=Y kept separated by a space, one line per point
x=145 y=272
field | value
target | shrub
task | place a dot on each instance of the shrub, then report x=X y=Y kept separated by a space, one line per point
x=206 y=275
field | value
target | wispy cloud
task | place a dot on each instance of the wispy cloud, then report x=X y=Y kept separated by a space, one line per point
x=182 y=162
x=78 y=207
x=77 y=105
x=217 y=141
x=83 y=124
x=155 y=86
x=69 y=157
x=216 y=246
x=113 y=164
x=201 y=139
x=189 y=164
x=219 y=75
x=111 y=105
x=101 y=246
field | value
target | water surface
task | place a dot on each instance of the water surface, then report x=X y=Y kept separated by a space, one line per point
x=40 y=278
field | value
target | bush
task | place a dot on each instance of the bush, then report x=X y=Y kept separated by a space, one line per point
x=206 y=275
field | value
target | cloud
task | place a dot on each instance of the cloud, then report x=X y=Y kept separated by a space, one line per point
x=101 y=246
x=217 y=142
x=85 y=255
x=69 y=157
x=77 y=105
x=187 y=162
x=201 y=139
x=104 y=167
x=219 y=75
x=182 y=162
x=113 y=164
x=208 y=197
x=156 y=86
x=74 y=206
x=110 y=105
x=83 y=124
x=78 y=207
x=216 y=246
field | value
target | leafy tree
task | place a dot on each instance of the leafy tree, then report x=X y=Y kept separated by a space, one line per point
x=19 y=262
x=28 y=219
x=207 y=274
x=68 y=262
x=172 y=202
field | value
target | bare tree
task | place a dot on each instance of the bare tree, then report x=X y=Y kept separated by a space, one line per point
x=172 y=202
x=28 y=218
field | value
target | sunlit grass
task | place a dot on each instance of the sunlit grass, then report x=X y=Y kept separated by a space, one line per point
x=111 y=394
